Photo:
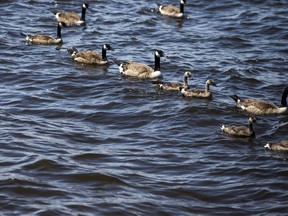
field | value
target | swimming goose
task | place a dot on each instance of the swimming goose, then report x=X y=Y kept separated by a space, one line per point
x=45 y=39
x=72 y=18
x=261 y=107
x=278 y=146
x=172 y=10
x=140 y=70
x=242 y=131
x=176 y=86
x=90 y=57
x=199 y=93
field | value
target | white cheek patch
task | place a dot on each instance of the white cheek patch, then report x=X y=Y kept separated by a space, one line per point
x=105 y=47
x=57 y=15
x=157 y=54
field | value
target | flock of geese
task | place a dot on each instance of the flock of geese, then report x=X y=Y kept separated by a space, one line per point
x=143 y=71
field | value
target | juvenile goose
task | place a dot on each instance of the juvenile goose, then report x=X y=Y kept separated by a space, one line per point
x=199 y=93
x=176 y=86
x=72 y=18
x=242 y=131
x=45 y=39
x=140 y=70
x=278 y=146
x=90 y=57
x=261 y=107
x=172 y=10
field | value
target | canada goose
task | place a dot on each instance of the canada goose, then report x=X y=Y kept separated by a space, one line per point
x=261 y=107
x=72 y=18
x=45 y=39
x=242 y=131
x=140 y=70
x=278 y=146
x=176 y=86
x=90 y=57
x=172 y=10
x=199 y=93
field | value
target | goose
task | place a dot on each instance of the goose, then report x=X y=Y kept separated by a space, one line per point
x=72 y=18
x=46 y=39
x=242 y=131
x=261 y=107
x=199 y=93
x=176 y=86
x=172 y=10
x=141 y=70
x=90 y=57
x=278 y=146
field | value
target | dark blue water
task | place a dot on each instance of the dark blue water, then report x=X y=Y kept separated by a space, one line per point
x=84 y=140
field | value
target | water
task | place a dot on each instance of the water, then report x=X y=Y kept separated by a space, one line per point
x=84 y=140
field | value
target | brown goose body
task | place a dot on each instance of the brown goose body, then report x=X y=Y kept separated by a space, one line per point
x=172 y=10
x=278 y=146
x=240 y=130
x=72 y=18
x=176 y=86
x=261 y=107
x=199 y=93
x=140 y=70
x=45 y=39
x=90 y=57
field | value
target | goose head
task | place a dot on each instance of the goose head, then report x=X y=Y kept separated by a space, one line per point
x=188 y=74
x=107 y=47
x=86 y=6
x=210 y=82
x=61 y=24
x=267 y=146
x=252 y=120
x=182 y=2
x=159 y=53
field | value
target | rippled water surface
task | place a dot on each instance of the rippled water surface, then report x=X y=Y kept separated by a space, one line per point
x=84 y=140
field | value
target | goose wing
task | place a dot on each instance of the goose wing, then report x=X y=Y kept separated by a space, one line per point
x=257 y=106
x=88 y=57
x=238 y=130
x=137 y=69
x=68 y=15
x=41 y=39
x=280 y=146
x=170 y=9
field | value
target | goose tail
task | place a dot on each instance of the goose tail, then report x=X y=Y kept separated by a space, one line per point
x=118 y=62
x=222 y=127
x=235 y=98
x=24 y=35
x=267 y=146
x=72 y=51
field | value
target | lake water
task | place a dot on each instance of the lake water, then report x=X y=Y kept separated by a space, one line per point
x=84 y=140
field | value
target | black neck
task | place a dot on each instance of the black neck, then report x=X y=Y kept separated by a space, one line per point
x=59 y=31
x=83 y=14
x=104 y=58
x=284 y=98
x=207 y=87
x=157 y=63
x=250 y=125
x=251 y=128
x=185 y=82
x=181 y=8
